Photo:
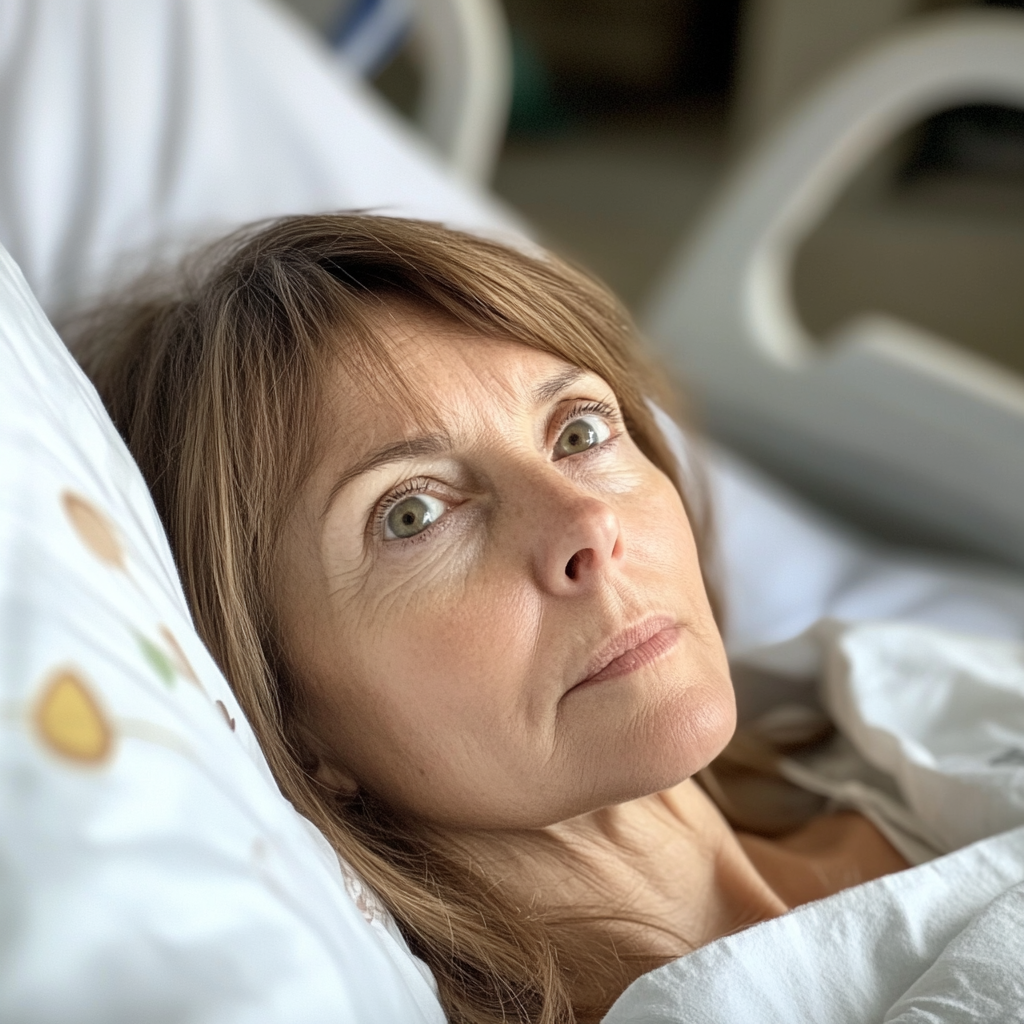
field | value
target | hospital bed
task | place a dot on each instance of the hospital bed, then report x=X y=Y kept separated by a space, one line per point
x=880 y=414
x=149 y=869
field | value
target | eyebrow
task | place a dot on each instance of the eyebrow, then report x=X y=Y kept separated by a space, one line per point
x=397 y=451
x=554 y=386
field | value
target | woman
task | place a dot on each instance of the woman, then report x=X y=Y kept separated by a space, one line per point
x=430 y=530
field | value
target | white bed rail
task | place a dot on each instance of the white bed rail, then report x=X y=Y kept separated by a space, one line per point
x=464 y=53
x=467 y=89
x=908 y=424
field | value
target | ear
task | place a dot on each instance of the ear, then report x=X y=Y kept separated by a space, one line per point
x=336 y=778
x=331 y=776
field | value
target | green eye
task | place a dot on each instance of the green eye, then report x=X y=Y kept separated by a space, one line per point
x=412 y=515
x=580 y=435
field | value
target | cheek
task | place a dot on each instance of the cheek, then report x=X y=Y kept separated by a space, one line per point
x=433 y=690
x=449 y=640
x=453 y=608
x=660 y=537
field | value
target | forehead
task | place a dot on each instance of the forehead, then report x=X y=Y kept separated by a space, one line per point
x=430 y=376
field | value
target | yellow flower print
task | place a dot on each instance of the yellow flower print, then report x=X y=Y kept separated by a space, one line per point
x=69 y=721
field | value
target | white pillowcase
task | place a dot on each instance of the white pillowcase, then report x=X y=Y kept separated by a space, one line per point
x=150 y=870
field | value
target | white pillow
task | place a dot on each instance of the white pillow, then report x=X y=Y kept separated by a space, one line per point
x=150 y=870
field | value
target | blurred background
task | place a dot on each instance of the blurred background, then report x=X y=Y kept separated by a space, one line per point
x=625 y=116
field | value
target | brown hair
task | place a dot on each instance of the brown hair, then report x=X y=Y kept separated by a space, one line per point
x=213 y=376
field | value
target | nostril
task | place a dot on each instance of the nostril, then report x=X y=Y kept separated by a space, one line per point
x=571 y=566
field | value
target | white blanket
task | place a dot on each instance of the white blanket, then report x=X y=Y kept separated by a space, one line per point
x=943 y=943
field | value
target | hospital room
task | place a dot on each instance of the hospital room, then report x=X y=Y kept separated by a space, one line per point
x=511 y=511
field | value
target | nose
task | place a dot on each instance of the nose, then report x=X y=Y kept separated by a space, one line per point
x=578 y=538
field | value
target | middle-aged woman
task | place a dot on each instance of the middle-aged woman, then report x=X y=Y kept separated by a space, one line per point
x=429 y=528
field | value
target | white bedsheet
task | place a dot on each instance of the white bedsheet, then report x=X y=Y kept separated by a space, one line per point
x=942 y=943
x=787 y=565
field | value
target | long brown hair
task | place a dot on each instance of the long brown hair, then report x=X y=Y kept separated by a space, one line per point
x=213 y=377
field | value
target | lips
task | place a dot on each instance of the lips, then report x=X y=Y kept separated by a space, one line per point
x=633 y=648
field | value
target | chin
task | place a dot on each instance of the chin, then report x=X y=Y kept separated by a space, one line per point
x=669 y=740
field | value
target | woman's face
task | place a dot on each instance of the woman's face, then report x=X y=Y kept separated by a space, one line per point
x=497 y=618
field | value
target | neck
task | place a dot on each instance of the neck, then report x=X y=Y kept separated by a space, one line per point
x=631 y=886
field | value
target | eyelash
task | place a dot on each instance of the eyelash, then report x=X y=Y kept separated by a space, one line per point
x=420 y=485
x=609 y=412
